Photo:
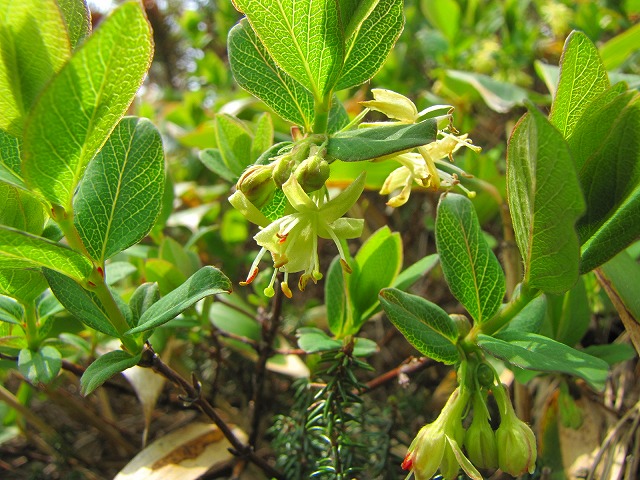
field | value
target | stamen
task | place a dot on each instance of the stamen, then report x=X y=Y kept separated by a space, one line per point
x=302 y=281
x=343 y=257
x=253 y=271
x=279 y=260
x=284 y=286
x=270 y=291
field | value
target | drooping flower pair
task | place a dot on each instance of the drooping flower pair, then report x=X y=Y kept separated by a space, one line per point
x=293 y=239
x=419 y=167
x=438 y=445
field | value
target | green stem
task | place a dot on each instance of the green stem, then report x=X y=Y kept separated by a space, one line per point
x=520 y=300
x=96 y=280
x=115 y=316
x=64 y=219
x=31 y=330
x=321 y=118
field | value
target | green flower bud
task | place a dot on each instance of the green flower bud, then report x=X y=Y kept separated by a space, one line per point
x=485 y=375
x=282 y=169
x=257 y=185
x=517 y=451
x=480 y=439
x=312 y=173
x=462 y=324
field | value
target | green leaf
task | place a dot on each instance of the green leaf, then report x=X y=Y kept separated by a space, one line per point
x=606 y=147
x=144 y=296
x=22 y=250
x=545 y=201
x=77 y=18
x=612 y=353
x=185 y=260
x=471 y=269
x=314 y=340
x=363 y=347
x=303 y=37
x=379 y=261
x=263 y=136
x=412 y=274
x=234 y=143
x=116 y=271
x=374 y=142
x=372 y=41
x=444 y=15
x=83 y=103
x=165 y=274
x=620 y=277
x=582 y=78
x=10 y=310
x=338 y=116
x=336 y=300
x=255 y=71
x=105 y=367
x=21 y=210
x=82 y=304
x=500 y=96
x=22 y=284
x=530 y=318
x=425 y=325
x=620 y=48
x=10 y=169
x=535 y=352
x=212 y=159
x=34 y=46
x=206 y=281
x=568 y=316
x=120 y=196
x=276 y=207
x=40 y=366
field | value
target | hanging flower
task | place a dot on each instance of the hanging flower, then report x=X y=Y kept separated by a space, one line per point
x=517 y=450
x=433 y=446
x=293 y=239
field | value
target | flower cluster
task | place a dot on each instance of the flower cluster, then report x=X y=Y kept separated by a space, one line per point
x=420 y=167
x=439 y=445
x=292 y=239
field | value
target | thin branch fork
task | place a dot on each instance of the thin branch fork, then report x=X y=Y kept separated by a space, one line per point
x=193 y=396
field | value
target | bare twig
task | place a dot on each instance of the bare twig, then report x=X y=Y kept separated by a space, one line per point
x=193 y=396
x=408 y=367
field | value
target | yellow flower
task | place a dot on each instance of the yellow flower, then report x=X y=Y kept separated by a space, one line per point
x=293 y=239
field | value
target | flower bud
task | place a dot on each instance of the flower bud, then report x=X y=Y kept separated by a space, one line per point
x=485 y=375
x=282 y=169
x=517 y=451
x=462 y=324
x=257 y=185
x=312 y=173
x=480 y=439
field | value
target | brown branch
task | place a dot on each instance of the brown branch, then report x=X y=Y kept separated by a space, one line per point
x=193 y=396
x=408 y=367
